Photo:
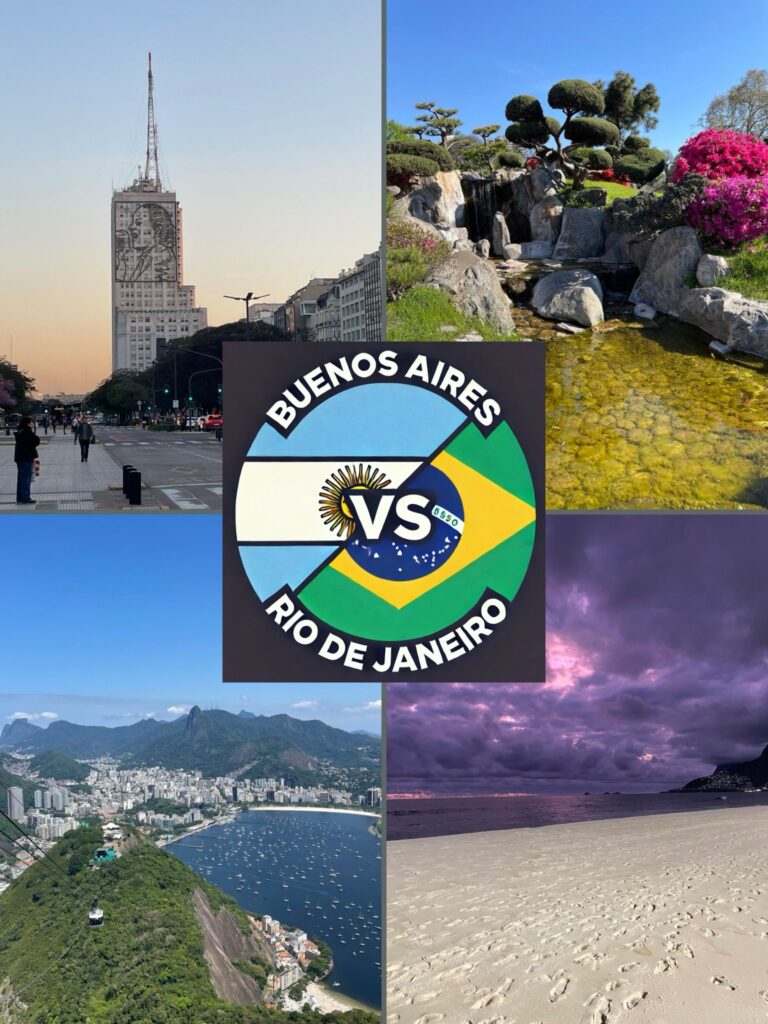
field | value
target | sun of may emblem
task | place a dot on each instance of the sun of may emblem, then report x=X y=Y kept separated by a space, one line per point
x=334 y=507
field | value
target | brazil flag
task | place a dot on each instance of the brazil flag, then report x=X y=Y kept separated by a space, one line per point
x=491 y=552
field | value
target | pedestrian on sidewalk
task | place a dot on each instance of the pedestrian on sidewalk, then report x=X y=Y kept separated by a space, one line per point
x=24 y=455
x=76 y=429
x=85 y=436
x=53 y=423
x=45 y=423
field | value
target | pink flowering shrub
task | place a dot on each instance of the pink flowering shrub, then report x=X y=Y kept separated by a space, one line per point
x=733 y=211
x=719 y=154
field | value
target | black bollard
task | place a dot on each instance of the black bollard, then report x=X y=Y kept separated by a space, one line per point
x=126 y=470
x=133 y=487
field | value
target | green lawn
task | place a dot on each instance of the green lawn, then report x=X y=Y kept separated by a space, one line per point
x=614 y=190
x=421 y=313
x=748 y=273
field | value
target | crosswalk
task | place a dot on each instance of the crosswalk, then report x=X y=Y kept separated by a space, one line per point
x=152 y=444
x=189 y=500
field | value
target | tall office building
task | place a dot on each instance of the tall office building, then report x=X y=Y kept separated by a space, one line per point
x=150 y=303
x=15 y=808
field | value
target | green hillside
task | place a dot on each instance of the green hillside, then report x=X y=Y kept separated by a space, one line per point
x=52 y=764
x=145 y=965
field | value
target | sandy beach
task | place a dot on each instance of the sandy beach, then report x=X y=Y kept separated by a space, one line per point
x=660 y=919
x=327 y=1000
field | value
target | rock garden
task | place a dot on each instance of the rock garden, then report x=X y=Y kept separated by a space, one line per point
x=646 y=273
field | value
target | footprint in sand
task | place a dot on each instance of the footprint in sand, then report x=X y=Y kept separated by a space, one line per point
x=600 y=1011
x=425 y=997
x=667 y=964
x=628 y=967
x=632 y=1001
x=720 y=980
x=558 y=991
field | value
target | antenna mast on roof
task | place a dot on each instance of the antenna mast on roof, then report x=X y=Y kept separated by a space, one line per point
x=152 y=165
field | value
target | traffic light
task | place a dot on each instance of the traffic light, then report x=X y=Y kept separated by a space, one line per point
x=190 y=398
x=219 y=389
x=166 y=391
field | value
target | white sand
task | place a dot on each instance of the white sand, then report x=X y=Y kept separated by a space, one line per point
x=328 y=1001
x=662 y=920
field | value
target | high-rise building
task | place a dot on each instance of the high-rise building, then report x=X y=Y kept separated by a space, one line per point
x=15 y=808
x=150 y=303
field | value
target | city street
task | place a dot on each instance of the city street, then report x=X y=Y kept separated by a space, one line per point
x=180 y=472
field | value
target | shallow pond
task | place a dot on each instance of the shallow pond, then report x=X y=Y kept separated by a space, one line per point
x=644 y=417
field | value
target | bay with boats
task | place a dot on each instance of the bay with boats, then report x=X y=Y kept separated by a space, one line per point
x=320 y=872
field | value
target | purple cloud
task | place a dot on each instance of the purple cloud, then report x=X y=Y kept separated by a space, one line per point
x=658 y=668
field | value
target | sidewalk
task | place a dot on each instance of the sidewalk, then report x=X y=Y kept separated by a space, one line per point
x=65 y=484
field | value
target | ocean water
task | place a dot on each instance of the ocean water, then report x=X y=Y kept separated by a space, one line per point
x=444 y=816
x=318 y=872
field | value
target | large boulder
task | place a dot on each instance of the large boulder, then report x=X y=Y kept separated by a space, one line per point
x=575 y=296
x=710 y=270
x=581 y=234
x=545 y=220
x=474 y=288
x=741 y=323
x=672 y=260
x=438 y=203
x=543 y=183
x=528 y=251
x=593 y=196
x=499 y=234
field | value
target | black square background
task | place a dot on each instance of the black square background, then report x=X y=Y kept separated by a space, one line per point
x=255 y=373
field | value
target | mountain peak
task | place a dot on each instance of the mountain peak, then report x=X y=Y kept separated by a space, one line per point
x=193 y=719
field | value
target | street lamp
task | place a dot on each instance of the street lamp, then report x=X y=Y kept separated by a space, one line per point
x=247 y=299
x=189 y=384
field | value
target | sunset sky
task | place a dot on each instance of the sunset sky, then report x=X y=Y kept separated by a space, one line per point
x=658 y=669
x=269 y=123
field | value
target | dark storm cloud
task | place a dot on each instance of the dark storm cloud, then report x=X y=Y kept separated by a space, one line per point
x=658 y=668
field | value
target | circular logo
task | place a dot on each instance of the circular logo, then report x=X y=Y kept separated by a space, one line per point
x=384 y=523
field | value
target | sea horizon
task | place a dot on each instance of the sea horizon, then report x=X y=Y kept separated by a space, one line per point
x=421 y=817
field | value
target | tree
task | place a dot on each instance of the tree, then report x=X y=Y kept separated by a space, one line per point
x=397 y=132
x=6 y=393
x=628 y=107
x=582 y=103
x=20 y=383
x=744 y=108
x=119 y=394
x=487 y=154
x=440 y=122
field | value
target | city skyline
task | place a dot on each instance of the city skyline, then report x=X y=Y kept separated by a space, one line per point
x=657 y=654
x=143 y=639
x=228 y=136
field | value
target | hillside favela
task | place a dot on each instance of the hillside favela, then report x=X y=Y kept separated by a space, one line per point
x=217 y=867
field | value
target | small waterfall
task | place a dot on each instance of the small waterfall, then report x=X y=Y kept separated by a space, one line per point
x=481 y=206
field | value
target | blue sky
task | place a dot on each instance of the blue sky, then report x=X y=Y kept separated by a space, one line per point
x=107 y=619
x=269 y=121
x=477 y=58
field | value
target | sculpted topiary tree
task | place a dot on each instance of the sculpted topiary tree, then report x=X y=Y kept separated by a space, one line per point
x=440 y=122
x=581 y=102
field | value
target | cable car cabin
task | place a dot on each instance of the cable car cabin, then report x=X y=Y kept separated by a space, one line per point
x=95 y=916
